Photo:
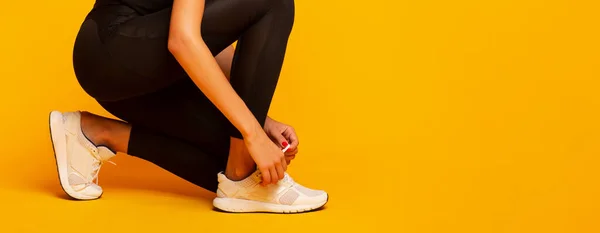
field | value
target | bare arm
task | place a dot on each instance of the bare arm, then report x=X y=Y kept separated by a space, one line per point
x=187 y=46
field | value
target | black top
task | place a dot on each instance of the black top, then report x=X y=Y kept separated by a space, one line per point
x=141 y=6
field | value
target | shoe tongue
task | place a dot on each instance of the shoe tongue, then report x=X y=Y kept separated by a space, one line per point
x=104 y=153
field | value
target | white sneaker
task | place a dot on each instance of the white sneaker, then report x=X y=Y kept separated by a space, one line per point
x=77 y=158
x=249 y=196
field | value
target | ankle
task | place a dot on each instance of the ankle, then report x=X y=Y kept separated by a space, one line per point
x=238 y=174
x=94 y=128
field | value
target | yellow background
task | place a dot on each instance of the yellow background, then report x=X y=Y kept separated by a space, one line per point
x=416 y=116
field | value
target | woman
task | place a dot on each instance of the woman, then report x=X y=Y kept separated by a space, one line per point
x=192 y=105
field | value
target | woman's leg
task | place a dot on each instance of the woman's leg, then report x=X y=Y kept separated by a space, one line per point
x=239 y=163
x=173 y=124
x=224 y=59
x=188 y=158
x=176 y=156
x=116 y=135
x=104 y=131
x=176 y=126
x=255 y=70
x=263 y=28
x=177 y=129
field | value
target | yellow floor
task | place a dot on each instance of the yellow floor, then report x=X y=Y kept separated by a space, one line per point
x=416 y=116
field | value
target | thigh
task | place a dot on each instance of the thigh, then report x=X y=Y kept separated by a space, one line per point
x=139 y=45
x=181 y=112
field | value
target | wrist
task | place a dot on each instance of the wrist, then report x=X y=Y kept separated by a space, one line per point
x=252 y=131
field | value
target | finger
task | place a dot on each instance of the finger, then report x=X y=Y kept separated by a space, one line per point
x=291 y=152
x=266 y=176
x=283 y=165
x=279 y=139
x=292 y=137
x=280 y=170
x=288 y=161
x=274 y=175
x=290 y=158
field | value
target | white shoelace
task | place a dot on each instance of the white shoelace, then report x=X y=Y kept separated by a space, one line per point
x=96 y=170
x=97 y=165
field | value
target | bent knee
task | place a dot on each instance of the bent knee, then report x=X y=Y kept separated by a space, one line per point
x=284 y=10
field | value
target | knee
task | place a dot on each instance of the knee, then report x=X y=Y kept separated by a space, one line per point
x=286 y=6
x=285 y=11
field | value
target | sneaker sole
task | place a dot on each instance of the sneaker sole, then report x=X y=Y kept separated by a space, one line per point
x=59 y=145
x=234 y=205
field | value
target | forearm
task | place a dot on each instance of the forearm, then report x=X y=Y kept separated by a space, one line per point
x=195 y=57
x=188 y=47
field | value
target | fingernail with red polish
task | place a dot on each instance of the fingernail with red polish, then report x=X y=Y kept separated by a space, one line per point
x=284 y=144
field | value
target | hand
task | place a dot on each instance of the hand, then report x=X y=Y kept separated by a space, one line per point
x=269 y=159
x=282 y=135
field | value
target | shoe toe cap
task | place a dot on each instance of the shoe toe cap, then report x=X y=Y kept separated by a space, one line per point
x=87 y=192
x=315 y=197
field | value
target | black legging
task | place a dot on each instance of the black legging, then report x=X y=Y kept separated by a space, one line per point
x=121 y=59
